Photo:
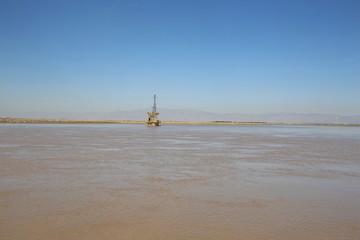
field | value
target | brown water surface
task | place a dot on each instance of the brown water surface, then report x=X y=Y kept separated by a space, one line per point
x=177 y=182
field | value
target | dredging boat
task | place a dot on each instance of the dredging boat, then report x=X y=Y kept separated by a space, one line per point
x=153 y=120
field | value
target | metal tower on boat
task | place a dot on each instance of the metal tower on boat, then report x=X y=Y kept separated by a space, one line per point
x=153 y=120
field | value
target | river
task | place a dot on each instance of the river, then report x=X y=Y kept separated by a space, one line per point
x=179 y=182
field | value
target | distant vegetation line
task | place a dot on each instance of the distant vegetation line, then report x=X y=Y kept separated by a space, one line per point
x=67 y=121
x=70 y=121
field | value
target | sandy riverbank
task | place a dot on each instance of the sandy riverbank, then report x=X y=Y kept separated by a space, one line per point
x=73 y=121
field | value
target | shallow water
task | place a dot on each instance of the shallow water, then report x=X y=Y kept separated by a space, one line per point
x=179 y=182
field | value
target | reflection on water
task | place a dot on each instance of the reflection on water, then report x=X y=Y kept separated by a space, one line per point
x=179 y=182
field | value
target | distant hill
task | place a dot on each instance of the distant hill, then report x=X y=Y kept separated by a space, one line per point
x=195 y=115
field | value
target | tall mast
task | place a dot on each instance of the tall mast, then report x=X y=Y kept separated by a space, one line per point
x=154 y=106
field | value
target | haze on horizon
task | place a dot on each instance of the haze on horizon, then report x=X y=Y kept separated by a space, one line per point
x=227 y=56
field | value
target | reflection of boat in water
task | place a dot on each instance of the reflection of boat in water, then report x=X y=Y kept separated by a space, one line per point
x=153 y=120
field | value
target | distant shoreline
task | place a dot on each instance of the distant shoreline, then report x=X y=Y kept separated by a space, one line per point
x=71 y=121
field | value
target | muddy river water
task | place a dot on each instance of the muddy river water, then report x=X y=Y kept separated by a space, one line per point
x=179 y=182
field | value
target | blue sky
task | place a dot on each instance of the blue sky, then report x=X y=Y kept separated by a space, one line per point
x=221 y=56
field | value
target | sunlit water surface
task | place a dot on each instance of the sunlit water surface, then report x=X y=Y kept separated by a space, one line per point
x=174 y=182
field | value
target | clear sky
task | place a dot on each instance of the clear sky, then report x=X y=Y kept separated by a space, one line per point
x=251 y=56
